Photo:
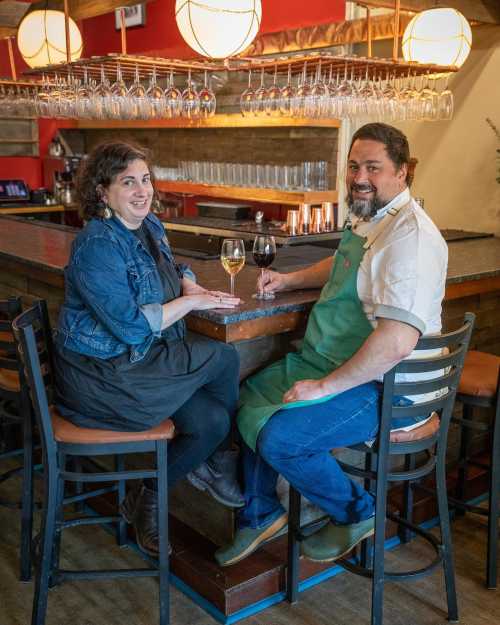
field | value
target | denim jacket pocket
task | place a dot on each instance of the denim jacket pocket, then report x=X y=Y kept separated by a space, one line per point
x=145 y=283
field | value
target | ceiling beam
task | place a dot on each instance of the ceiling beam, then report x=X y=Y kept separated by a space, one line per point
x=486 y=11
x=11 y=13
x=83 y=9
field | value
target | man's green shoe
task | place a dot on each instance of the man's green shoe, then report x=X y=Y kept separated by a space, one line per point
x=247 y=540
x=334 y=541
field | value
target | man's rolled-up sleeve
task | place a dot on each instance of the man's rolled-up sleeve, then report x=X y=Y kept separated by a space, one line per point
x=410 y=277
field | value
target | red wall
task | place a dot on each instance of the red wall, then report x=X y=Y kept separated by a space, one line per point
x=161 y=37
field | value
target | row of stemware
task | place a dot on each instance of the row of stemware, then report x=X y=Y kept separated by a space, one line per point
x=337 y=95
x=88 y=99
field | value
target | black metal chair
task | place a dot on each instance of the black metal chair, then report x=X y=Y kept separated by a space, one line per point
x=15 y=412
x=61 y=440
x=424 y=452
x=480 y=388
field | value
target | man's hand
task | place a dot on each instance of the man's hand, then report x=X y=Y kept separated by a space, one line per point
x=305 y=390
x=271 y=281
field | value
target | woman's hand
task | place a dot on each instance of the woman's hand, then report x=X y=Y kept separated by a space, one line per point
x=212 y=299
x=192 y=288
x=305 y=390
x=271 y=281
x=189 y=287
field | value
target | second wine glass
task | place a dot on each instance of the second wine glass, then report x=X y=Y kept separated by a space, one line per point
x=264 y=253
x=232 y=257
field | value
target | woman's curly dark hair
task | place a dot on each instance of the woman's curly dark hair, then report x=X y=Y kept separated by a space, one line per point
x=104 y=163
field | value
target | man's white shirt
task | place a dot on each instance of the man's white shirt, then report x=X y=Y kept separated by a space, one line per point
x=402 y=275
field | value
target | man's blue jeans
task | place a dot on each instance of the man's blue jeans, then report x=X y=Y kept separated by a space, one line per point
x=297 y=442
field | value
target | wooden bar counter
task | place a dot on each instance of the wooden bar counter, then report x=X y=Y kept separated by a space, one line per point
x=32 y=260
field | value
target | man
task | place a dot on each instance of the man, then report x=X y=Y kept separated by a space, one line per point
x=382 y=289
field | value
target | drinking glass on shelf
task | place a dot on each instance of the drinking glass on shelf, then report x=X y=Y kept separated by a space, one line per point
x=207 y=99
x=319 y=96
x=445 y=102
x=156 y=98
x=119 y=97
x=264 y=253
x=232 y=257
x=101 y=96
x=286 y=96
x=246 y=98
x=173 y=99
x=272 y=102
x=190 y=100
x=139 y=104
x=260 y=98
x=300 y=102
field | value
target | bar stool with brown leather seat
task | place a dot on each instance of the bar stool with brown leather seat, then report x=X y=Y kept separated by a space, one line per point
x=438 y=379
x=480 y=388
x=60 y=440
x=15 y=412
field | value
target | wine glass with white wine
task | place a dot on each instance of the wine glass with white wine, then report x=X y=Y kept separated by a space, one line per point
x=232 y=257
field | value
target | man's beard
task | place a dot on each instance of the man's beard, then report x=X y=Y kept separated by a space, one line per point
x=364 y=209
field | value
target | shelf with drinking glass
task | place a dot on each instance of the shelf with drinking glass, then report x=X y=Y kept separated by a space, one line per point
x=256 y=194
x=127 y=63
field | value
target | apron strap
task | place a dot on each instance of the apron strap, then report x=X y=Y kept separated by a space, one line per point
x=373 y=235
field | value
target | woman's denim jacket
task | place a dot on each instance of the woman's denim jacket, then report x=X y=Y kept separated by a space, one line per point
x=113 y=291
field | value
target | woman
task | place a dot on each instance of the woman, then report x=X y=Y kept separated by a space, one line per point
x=124 y=360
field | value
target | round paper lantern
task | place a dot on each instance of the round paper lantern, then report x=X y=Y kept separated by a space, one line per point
x=218 y=28
x=440 y=36
x=41 y=38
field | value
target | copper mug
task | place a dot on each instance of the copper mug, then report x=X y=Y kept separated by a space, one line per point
x=292 y=222
x=317 y=221
x=304 y=218
x=328 y=216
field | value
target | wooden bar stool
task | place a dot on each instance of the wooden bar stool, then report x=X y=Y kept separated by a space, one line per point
x=425 y=445
x=15 y=409
x=479 y=388
x=62 y=440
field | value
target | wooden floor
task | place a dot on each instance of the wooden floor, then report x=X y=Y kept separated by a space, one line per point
x=343 y=600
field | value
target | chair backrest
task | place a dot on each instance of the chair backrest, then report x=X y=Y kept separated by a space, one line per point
x=34 y=339
x=440 y=375
x=9 y=310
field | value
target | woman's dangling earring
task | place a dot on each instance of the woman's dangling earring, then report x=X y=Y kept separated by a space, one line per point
x=108 y=213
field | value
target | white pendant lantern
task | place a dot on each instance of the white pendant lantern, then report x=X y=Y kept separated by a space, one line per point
x=440 y=36
x=218 y=28
x=41 y=38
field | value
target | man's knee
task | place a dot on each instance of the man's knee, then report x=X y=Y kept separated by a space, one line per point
x=273 y=443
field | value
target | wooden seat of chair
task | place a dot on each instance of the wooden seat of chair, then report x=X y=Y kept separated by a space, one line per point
x=480 y=374
x=67 y=432
x=426 y=430
x=9 y=380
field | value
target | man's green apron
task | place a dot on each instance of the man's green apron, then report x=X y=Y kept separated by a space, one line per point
x=336 y=329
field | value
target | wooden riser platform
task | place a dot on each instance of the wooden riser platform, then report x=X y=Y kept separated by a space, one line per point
x=233 y=591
